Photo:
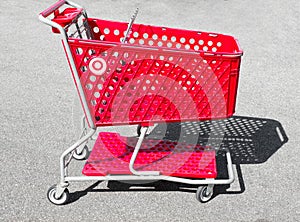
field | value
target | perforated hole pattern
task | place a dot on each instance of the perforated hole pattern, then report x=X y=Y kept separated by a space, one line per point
x=163 y=37
x=111 y=155
x=124 y=85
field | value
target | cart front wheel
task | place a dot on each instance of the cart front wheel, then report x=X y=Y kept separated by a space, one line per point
x=83 y=155
x=202 y=195
x=63 y=199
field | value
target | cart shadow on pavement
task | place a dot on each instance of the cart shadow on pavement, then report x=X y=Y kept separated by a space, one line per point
x=250 y=140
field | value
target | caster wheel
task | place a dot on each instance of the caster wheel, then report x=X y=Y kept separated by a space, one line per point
x=63 y=199
x=138 y=130
x=202 y=195
x=83 y=155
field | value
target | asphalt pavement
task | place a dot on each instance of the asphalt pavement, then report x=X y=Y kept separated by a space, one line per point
x=39 y=112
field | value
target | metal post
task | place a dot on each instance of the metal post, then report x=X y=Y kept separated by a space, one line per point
x=135 y=153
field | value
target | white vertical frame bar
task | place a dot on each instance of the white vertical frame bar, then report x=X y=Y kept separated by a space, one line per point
x=69 y=55
x=135 y=153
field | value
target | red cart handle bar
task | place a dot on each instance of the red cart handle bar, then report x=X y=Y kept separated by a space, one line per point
x=57 y=5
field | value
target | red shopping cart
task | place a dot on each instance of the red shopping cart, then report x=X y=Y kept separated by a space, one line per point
x=136 y=74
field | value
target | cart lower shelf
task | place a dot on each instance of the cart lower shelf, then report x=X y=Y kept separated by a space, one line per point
x=111 y=156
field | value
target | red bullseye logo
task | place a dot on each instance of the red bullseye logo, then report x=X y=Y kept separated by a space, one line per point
x=97 y=66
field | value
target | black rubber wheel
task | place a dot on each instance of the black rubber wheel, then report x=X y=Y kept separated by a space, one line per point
x=63 y=199
x=202 y=196
x=138 y=130
x=83 y=155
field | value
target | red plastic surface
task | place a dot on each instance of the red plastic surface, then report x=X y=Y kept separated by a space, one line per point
x=161 y=74
x=52 y=8
x=172 y=38
x=111 y=155
x=65 y=17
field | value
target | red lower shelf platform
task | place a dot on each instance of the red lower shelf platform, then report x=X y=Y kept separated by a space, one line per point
x=111 y=156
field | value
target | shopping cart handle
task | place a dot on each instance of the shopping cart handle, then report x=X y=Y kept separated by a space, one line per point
x=56 y=6
x=62 y=19
x=52 y=8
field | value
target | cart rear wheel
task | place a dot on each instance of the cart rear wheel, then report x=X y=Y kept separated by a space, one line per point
x=63 y=199
x=202 y=194
x=83 y=155
x=138 y=130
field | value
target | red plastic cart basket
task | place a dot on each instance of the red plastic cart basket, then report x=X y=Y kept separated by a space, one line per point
x=152 y=75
